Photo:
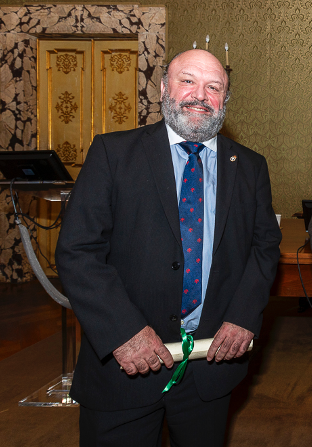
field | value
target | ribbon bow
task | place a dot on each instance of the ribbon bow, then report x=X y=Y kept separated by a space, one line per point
x=187 y=348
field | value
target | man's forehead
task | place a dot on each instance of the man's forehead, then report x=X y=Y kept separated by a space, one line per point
x=195 y=71
x=197 y=65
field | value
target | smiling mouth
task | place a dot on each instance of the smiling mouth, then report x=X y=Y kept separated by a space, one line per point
x=197 y=108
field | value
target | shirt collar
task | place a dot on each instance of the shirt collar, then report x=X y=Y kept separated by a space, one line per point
x=174 y=138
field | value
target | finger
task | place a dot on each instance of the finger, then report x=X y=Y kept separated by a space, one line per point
x=224 y=350
x=154 y=362
x=232 y=352
x=165 y=356
x=243 y=348
x=214 y=347
x=142 y=366
x=130 y=369
x=238 y=348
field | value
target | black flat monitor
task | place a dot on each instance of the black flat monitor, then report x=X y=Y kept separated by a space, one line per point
x=307 y=212
x=33 y=166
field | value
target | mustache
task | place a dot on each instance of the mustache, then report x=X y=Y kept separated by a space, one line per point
x=197 y=103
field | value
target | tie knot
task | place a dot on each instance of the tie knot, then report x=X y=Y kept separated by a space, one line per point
x=192 y=148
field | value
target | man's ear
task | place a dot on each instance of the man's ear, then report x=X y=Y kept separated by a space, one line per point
x=162 y=88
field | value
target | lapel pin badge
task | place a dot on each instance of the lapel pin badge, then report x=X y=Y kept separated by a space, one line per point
x=233 y=158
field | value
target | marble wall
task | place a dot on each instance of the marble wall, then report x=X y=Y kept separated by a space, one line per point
x=18 y=82
x=20 y=27
x=18 y=87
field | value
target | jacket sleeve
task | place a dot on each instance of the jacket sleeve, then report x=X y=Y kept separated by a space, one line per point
x=93 y=287
x=252 y=294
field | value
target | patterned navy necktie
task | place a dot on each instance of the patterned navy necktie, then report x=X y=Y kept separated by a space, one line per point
x=191 y=211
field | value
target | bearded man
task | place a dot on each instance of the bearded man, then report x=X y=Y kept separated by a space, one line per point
x=169 y=226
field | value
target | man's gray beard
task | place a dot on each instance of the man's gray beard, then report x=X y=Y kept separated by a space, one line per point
x=203 y=129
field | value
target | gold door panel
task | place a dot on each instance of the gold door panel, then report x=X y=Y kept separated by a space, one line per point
x=115 y=88
x=65 y=100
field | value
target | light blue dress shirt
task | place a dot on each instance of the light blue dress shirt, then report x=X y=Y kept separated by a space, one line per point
x=209 y=159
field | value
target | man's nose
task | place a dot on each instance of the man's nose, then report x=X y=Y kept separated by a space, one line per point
x=199 y=93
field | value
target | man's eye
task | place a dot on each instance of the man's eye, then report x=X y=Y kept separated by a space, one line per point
x=187 y=81
x=211 y=87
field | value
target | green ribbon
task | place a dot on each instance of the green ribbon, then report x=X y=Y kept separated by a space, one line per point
x=187 y=348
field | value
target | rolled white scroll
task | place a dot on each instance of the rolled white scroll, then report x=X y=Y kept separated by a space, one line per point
x=199 y=351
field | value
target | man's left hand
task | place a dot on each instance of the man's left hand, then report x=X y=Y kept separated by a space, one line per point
x=230 y=342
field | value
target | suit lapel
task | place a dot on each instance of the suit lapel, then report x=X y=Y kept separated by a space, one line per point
x=227 y=167
x=157 y=149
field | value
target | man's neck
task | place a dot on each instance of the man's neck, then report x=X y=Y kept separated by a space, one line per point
x=174 y=138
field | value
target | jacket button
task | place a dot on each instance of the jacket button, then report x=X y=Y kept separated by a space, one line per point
x=173 y=317
x=175 y=265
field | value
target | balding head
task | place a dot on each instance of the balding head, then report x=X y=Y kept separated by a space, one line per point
x=201 y=58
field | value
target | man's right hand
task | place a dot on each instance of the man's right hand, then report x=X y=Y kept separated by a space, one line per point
x=141 y=352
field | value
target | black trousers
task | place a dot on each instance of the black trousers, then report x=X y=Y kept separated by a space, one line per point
x=191 y=421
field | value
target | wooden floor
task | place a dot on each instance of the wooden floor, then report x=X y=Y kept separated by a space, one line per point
x=27 y=315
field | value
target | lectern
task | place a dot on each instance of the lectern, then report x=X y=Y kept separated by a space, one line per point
x=43 y=175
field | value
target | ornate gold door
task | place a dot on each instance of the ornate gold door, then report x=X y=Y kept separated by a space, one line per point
x=115 y=88
x=85 y=87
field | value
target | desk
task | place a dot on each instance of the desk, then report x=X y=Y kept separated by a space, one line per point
x=287 y=281
x=53 y=191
